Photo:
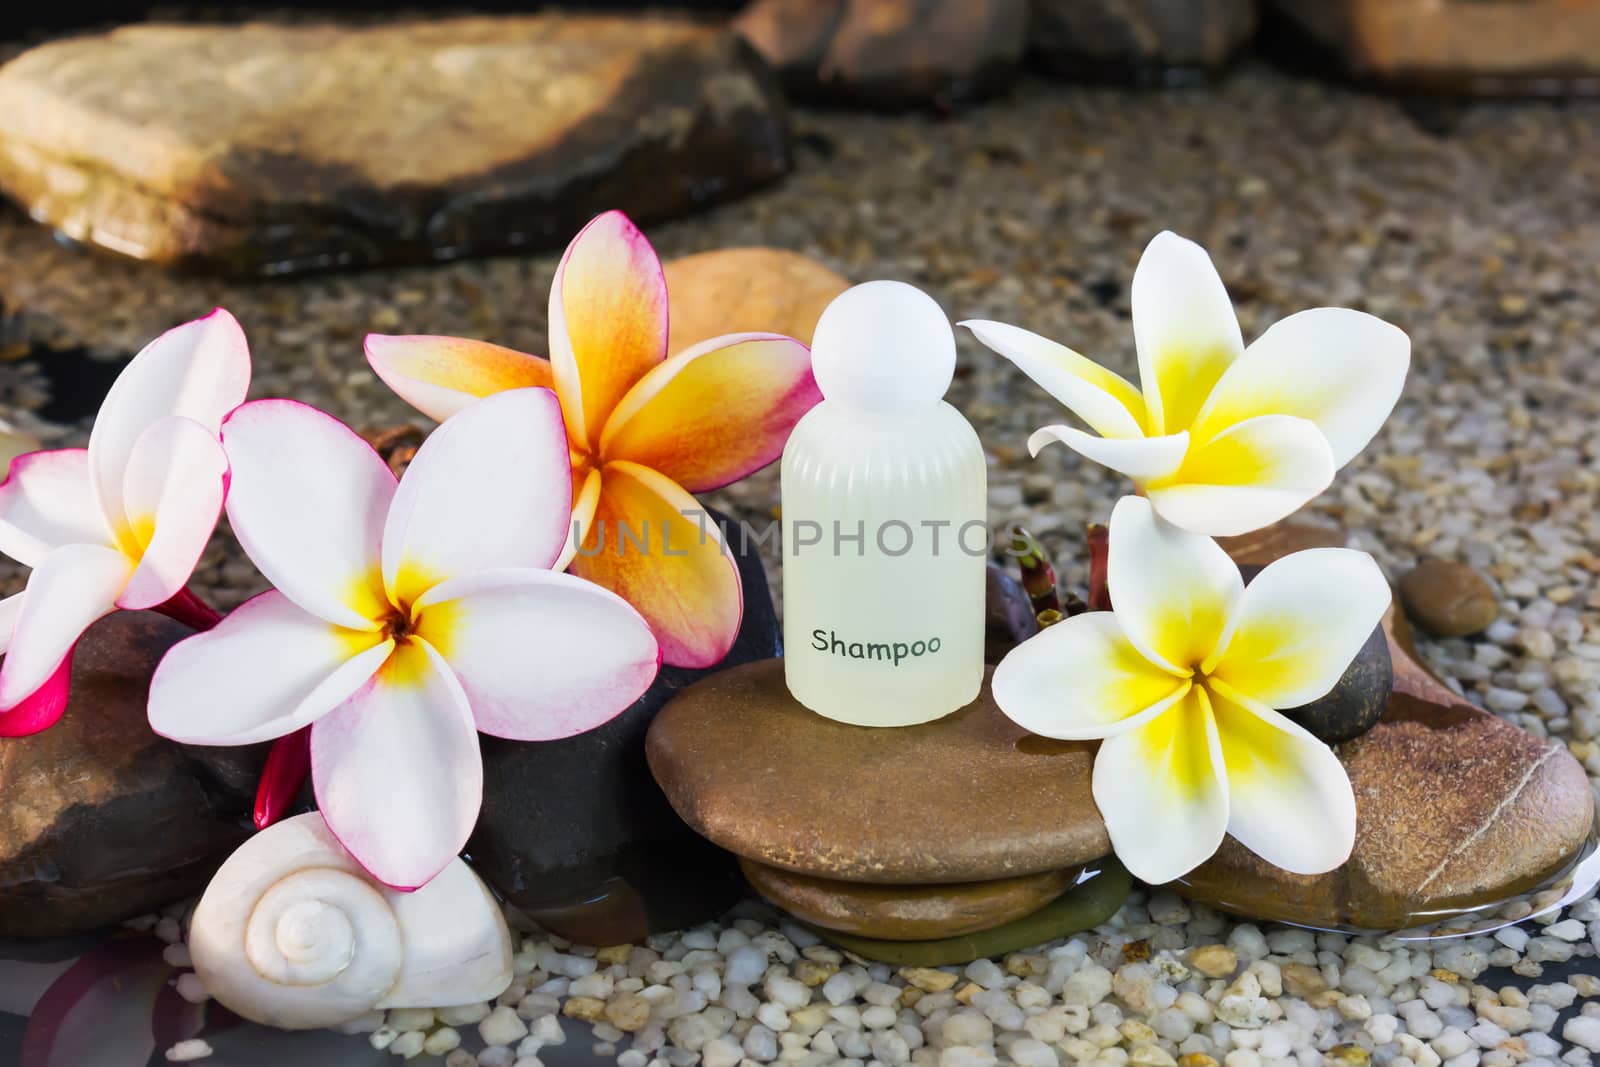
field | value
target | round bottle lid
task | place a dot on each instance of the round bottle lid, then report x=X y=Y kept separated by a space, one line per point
x=883 y=346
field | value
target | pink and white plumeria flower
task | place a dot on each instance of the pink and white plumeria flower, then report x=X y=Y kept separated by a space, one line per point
x=1222 y=439
x=122 y=523
x=407 y=617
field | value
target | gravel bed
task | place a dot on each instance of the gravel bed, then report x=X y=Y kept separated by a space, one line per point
x=1477 y=234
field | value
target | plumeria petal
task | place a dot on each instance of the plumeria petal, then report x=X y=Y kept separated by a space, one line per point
x=1108 y=402
x=539 y=655
x=280 y=666
x=1173 y=591
x=608 y=321
x=1162 y=791
x=1341 y=369
x=48 y=502
x=1289 y=796
x=69 y=589
x=200 y=370
x=1249 y=476
x=10 y=612
x=1184 y=328
x=441 y=375
x=586 y=483
x=1082 y=679
x=488 y=489
x=656 y=547
x=43 y=708
x=308 y=504
x=1299 y=624
x=172 y=492
x=396 y=769
x=716 y=411
x=1140 y=458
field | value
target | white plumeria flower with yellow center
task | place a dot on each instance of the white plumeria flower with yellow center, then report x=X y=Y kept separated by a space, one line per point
x=1181 y=681
x=122 y=523
x=1222 y=439
x=406 y=619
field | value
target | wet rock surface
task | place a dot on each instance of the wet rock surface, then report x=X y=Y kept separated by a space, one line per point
x=577 y=833
x=100 y=819
x=889 y=53
x=268 y=148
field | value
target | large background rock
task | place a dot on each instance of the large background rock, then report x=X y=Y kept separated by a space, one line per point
x=100 y=819
x=1147 y=40
x=1477 y=46
x=889 y=53
x=268 y=148
x=578 y=833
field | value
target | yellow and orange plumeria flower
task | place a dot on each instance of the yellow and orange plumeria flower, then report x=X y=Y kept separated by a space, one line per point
x=645 y=431
x=1222 y=439
x=1181 y=681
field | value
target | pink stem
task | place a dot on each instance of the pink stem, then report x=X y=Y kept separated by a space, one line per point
x=285 y=772
x=190 y=610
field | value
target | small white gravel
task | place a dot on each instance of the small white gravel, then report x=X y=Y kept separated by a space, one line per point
x=188 y=1051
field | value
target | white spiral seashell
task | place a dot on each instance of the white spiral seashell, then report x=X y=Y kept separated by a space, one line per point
x=293 y=933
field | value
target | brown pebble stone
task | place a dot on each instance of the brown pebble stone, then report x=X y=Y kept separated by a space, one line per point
x=1214 y=961
x=746 y=290
x=906 y=912
x=970 y=797
x=1449 y=599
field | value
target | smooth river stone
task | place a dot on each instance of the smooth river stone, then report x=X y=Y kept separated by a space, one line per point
x=906 y=912
x=268 y=148
x=746 y=290
x=577 y=834
x=100 y=819
x=1101 y=891
x=1456 y=808
x=1448 y=598
x=967 y=798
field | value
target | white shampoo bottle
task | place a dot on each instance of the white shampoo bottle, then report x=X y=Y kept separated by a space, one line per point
x=885 y=535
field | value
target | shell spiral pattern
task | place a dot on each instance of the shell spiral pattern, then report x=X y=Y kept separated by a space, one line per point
x=293 y=933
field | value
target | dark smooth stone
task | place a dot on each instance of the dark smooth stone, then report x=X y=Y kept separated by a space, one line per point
x=100 y=819
x=1100 y=893
x=1009 y=618
x=889 y=54
x=578 y=827
x=1357 y=701
x=268 y=148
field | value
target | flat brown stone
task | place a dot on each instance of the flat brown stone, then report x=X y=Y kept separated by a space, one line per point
x=265 y=148
x=1455 y=808
x=747 y=290
x=907 y=912
x=967 y=798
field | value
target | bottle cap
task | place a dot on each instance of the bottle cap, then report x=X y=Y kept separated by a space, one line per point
x=883 y=346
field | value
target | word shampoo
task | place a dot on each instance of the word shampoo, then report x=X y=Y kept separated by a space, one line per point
x=885 y=537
